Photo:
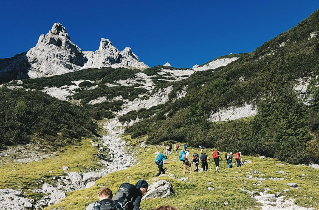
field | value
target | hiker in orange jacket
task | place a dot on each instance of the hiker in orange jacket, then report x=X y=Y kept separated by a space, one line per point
x=216 y=157
x=238 y=159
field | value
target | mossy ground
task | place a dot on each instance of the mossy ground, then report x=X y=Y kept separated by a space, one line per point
x=192 y=193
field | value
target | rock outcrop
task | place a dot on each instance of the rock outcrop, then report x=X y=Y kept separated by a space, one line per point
x=219 y=62
x=109 y=56
x=14 y=199
x=159 y=189
x=56 y=54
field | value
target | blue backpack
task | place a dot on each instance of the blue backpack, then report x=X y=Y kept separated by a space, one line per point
x=159 y=159
x=182 y=156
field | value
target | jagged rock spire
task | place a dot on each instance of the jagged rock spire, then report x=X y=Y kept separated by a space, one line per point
x=59 y=29
x=105 y=44
x=56 y=54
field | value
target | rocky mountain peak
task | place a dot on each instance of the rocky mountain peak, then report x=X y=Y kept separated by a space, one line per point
x=127 y=52
x=105 y=44
x=167 y=64
x=56 y=54
x=59 y=29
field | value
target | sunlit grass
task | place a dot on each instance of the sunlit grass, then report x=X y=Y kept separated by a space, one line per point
x=32 y=175
x=228 y=184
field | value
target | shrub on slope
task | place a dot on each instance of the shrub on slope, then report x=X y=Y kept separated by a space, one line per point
x=33 y=116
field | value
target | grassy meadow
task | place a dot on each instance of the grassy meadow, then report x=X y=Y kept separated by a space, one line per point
x=229 y=187
x=191 y=190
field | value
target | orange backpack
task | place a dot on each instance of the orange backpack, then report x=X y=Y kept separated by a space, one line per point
x=237 y=156
x=215 y=154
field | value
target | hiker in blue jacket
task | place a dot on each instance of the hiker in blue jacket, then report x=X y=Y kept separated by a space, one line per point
x=160 y=161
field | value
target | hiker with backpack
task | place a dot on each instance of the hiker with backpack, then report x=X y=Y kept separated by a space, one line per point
x=195 y=161
x=170 y=149
x=129 y=196
x=204 y=158
x=216 y=157
x=167 y=150
x=176 y=147
x=229 y=159
x=187 y=163
x=160 y=161
x=201 y=147
x=185 y=147
x=238 y=158
x=183 y=157
x=105 y=200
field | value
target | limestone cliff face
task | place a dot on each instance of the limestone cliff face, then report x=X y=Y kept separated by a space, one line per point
x=56 y=54
x=109 y=56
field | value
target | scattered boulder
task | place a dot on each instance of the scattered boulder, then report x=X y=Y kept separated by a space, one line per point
x=14 y=199
x=55 y=194
x=292 y=184
x=159 y=189
x=315 y=166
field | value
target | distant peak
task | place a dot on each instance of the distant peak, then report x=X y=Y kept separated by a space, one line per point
x=167 y=64
x=104 y=44
x=127 y=49
x=59 y=29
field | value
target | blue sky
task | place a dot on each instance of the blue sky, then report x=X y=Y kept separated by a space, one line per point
x=181 y=32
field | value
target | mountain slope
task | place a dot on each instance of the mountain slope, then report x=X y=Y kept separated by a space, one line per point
x=260 y=183
x=286 y=124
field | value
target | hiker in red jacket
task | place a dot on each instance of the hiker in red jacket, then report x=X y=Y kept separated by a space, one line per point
x=216 y=157
x=238 y=159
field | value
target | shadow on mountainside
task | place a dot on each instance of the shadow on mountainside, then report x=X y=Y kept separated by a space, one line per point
x=13 y=68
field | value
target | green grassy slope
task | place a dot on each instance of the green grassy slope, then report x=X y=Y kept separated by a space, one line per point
x=193 y=193
x=29 y=176
x=285 y=127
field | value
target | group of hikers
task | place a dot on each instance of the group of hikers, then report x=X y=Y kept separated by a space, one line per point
x=195 y=159
x=129 y=196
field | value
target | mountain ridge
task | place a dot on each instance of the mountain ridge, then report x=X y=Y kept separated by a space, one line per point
x=56 y=54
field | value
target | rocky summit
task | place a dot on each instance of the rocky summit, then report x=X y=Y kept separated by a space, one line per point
x=56 y=54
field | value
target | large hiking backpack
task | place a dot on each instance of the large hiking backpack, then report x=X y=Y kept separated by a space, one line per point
x=182 y=156
x=106 y=204
x=215 y=154
x=159 y=159
x=203 y=157
x=237 y=156
x=124 y=197
x=195 y=157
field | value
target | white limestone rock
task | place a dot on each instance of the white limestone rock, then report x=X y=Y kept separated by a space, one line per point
x=109 y=56
x=159 y=189
x=54 y=54
x=55 y=195
x=14 y=199
x=234 y=113
x=215 y=64
x=167 y=64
